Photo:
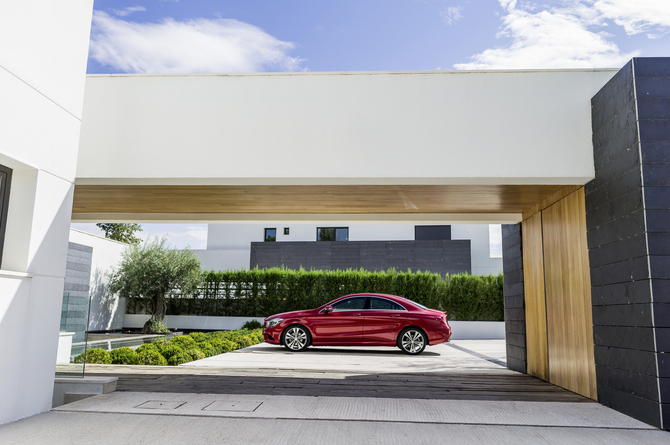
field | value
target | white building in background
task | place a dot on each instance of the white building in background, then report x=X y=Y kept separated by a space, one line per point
x=229 y=245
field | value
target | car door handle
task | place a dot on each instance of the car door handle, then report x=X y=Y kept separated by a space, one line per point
x=395 y=316
x=357 y=315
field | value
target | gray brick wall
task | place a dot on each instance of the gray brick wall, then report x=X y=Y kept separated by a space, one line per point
x=438 y=256
x=515 y=315
x=628 y=231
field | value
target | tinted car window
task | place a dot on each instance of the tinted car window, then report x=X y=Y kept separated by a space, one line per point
x=382 y=304
x=356 y=303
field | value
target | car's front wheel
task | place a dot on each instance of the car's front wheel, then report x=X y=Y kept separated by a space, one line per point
x=296 y=338
x=412 y=341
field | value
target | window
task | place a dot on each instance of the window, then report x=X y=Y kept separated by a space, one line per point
x=332 y=234
x=285 y=230
x=350 y=304
x=270 y=235
x=5 y=181
x=382 y=304
x=426 y=233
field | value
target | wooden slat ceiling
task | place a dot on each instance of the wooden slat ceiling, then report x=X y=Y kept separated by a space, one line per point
x=306 y=199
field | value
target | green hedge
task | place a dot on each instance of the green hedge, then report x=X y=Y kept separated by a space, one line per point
x=263 y=292
x=178 y=350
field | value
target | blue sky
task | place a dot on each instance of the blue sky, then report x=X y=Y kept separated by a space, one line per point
x=172 y=36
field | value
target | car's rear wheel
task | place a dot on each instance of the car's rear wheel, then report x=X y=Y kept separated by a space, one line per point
x=412 y=341
x=296 y=338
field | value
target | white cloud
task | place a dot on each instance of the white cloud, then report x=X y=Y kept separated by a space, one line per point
x=636 y=16
x=191 y=46
x=452 y=14
x=128 y=10
x=570 y=35
x=179 y=236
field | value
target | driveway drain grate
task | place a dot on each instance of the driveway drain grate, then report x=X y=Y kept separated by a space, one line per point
x=233 y=406
x=158 y=404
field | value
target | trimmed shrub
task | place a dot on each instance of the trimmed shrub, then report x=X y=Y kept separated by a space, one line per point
x=198 y=336
x=180 y=358
x=475 y=298
x=263 y=292
x=183 y=341
x=94 y=356
x=224 y=346
x=123 y=356
x=150 y=357
x=208 y=349
x=147 y=347
x=195 y=354
x=160 y=342
x=252 y=324
x=170 y=350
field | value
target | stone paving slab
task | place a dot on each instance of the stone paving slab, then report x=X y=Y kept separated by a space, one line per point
x=557 y=414
x=65 y=428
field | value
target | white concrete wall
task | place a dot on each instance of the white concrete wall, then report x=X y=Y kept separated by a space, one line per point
x=462 y=330
x=107 y=309
x=229 y=245
x=436 y=127
x=42 y=71
x=480 y=248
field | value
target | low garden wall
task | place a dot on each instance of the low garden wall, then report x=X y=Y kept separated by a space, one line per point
x=190 y=322
x=462 y=330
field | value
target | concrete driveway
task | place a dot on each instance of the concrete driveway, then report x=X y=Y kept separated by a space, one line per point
x=461 y=356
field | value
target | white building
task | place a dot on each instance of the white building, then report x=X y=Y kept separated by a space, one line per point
x=42 y=74
x=229 y=245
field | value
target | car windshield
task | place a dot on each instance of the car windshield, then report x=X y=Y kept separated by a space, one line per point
x=417 y=304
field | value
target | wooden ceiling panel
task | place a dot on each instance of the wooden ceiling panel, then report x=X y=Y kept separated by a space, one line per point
x=304 y=199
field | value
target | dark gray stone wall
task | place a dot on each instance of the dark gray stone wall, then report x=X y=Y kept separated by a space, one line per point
x=438 y=256
x=515 y=312
x=628 y=231
x=74 y=313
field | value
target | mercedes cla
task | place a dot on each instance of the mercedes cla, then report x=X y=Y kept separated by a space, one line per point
x=360 y=320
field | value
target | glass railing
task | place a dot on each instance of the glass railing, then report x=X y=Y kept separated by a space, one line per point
x=73 y=335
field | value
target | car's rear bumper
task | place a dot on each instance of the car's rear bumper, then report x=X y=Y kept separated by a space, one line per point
x=436 y=337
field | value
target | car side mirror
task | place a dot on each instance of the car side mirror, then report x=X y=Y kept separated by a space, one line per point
x=327 y=309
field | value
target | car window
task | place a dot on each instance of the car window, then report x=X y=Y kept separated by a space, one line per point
x=350 y=304
x=382 y=304
x=417 y=304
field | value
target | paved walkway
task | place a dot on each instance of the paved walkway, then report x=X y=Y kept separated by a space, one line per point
x=457 y=394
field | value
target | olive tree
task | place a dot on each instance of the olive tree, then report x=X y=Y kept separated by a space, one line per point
x=152 y=270
x=122 y=232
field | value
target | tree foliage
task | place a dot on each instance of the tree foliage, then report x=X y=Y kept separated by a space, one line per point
x=122 y=232
x=151 y=271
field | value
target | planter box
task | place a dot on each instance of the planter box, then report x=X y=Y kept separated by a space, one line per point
x=462 y=330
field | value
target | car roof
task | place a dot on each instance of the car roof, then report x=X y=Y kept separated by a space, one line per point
x=389 y=296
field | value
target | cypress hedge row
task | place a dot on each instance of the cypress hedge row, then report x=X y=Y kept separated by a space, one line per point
x=263 y=292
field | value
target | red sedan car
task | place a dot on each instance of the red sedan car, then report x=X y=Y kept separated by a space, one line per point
x=360 y=320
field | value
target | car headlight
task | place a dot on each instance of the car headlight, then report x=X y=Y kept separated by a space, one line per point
x=274 y=322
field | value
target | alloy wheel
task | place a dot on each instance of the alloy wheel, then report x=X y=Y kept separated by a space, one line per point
x=295 y=338
x=412 y=341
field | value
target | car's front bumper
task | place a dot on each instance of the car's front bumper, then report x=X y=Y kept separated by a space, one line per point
x=272 y=335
